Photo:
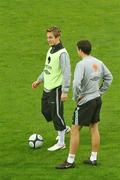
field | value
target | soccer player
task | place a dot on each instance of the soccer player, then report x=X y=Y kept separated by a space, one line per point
x=56 y=77
x=87 y=93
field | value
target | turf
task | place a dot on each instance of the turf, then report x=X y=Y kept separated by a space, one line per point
x=23 y=48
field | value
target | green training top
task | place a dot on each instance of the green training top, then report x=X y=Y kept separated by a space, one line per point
x=52 y=71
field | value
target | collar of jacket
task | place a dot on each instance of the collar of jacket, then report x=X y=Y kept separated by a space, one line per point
x=56 y=48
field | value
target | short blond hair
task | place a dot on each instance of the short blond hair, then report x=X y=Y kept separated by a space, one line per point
x=56 y=31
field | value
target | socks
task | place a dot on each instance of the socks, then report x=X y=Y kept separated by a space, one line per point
x=61 y=135
x=93 y=156
x=71 y=158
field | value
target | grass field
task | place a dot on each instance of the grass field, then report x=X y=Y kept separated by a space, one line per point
x=23 y=48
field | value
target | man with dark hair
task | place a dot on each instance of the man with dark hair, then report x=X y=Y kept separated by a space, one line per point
x=84 y=46
x=87 y=94
x=56 y=77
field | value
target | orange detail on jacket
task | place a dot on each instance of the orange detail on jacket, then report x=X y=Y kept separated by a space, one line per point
x=95 y=67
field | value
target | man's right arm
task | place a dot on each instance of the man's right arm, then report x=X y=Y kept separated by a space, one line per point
x=39 y=80
x=107 y=79
x=41 y=77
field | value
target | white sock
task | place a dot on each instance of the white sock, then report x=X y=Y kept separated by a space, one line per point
x=93 y=156
x=71 y=158
x=61 y=135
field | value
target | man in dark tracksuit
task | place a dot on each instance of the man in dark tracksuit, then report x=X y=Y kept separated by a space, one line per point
x=56 y=77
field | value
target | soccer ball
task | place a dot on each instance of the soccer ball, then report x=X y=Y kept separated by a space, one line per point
x=35 y=141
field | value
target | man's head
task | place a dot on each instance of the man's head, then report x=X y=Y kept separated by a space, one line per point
x=84 y=47
x=53 y=35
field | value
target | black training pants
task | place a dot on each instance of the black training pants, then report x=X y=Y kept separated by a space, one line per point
x=52 y=108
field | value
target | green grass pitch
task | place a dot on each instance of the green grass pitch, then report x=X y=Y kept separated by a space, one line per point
x=23 y=48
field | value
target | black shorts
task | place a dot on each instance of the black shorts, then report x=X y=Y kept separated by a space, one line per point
x=88 y=113
x=52 y=108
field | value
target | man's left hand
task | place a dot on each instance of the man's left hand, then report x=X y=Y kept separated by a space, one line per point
x=64 y=96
